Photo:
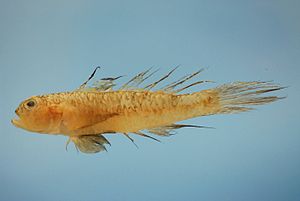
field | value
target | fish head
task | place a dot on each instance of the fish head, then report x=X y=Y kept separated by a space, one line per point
x=36 y=114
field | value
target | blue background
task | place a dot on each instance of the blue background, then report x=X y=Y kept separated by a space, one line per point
x=52 y=46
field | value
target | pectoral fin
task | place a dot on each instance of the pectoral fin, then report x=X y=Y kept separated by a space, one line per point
x=74 y=121
x=90 y=143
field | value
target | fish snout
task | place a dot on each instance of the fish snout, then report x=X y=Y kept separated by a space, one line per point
x=17 y=111
x=16 y=121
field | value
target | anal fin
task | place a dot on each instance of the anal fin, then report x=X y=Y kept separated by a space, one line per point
x=169 y=129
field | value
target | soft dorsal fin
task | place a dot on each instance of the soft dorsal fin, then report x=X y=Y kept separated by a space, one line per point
x=90 y=143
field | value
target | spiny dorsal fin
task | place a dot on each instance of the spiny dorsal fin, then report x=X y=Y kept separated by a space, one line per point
x=83 y=85
x=185 y=78
x=90 y=143
x=107 y=84
x=134 y=82
x=152 y=85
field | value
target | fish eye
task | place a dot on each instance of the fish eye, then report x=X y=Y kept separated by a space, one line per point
x=30 y=104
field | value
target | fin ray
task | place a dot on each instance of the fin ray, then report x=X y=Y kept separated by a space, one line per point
x=152 y=85
x=182 y=80
x=136 y=80
x=83 y=85
x=90 y=143
x=240 y=96
x=105 y=84
x=148 y=136
x=168 y=130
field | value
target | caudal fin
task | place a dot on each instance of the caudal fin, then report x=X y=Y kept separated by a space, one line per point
x=241 y=96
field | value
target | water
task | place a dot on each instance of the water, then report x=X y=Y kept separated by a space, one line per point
x=54 y=46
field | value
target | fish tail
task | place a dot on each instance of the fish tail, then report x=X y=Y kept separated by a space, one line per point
x=235 y=97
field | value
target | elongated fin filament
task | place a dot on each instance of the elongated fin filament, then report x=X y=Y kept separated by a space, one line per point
x=91 y=76
x=171 y=86
x=152 y=85
x=148 y=136
x=135 y=81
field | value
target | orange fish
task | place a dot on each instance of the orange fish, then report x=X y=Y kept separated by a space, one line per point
x=88 y=113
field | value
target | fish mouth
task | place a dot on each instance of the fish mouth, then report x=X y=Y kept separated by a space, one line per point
x=16 y=122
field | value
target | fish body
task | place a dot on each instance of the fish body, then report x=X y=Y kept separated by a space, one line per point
x=89 y=113
x=86 y=114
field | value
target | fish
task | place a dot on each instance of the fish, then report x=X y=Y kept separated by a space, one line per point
x=88 y=113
